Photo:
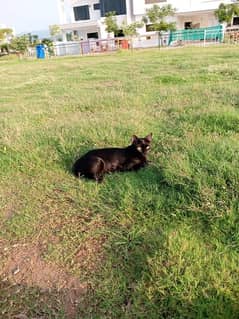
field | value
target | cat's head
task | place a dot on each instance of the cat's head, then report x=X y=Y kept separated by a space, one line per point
x=142 y=144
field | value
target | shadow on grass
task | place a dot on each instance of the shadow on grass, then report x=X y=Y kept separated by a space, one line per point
x=23 y=302
x=215 y=305
x=20 y=301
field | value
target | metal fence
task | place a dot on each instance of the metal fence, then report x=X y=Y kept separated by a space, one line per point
x=202 y=36
x=89 y=46
x=196 y=37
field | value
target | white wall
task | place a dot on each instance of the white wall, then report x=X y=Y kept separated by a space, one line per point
x=82 y=32
x=138 y=7
x=69 y=48
x=186 y=5
x=203 y=20
x=203 y=5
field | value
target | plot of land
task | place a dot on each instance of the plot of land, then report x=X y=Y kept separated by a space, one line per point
x=159 y=243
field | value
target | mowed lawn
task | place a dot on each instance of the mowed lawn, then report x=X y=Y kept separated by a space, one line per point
x=159 y=243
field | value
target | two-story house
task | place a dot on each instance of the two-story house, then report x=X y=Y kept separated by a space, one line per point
x=84 y=19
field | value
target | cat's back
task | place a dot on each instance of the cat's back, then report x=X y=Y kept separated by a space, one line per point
x=105 y=153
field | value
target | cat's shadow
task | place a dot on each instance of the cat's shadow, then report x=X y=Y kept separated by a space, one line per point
x=118 y=186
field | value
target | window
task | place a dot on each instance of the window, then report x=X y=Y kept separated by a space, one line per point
x=119 y=6
x=81 y=13
x=69 y=37
x=149 y=27
x=96 y=6
x=188 y=25
x=75 y=35
x=92 y=35
x=235 y=21
x=154 y=1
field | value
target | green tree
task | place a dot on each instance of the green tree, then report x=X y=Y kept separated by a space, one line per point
x=156 y=16
x=49 y=44
x=4 y=33
x=20 y=44
x=226 y=12
x=130 y=30
x=55 y=30
x=33 y=39
x=111 y=23
x=4 y=48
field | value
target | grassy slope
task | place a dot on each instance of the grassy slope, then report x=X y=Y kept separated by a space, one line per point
x=169 y=234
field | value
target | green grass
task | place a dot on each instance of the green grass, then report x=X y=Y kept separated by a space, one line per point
x=159 y=243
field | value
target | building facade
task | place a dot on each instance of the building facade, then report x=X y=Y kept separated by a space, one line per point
x=84 y=19
x=8 y=37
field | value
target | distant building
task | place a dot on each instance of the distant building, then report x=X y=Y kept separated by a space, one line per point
x=8 y=37
x=84 y=19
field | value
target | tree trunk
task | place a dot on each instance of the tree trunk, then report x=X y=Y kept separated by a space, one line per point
x=159 y=39
x=131 y=43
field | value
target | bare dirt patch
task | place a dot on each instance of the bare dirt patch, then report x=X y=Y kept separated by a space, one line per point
x=88 y=248
x=8 y=207
x=91 y=254
x=23 y=265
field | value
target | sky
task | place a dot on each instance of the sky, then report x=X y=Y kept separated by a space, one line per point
x=28 y=15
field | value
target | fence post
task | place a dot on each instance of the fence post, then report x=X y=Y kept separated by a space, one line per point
x=223 y=31
x=205 y=34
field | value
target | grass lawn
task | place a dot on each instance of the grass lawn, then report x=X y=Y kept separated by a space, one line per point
x=159 y=243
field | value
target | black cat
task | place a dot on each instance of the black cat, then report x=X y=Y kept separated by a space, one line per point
x=96 y=163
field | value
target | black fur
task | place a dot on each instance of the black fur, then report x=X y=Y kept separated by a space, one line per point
x=96 y=163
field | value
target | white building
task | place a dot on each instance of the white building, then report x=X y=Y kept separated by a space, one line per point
x=8 y=36
x=84 y=19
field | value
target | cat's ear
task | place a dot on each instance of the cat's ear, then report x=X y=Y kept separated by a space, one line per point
x=134 y=139
x=149 y=137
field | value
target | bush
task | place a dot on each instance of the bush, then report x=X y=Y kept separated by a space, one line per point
x=4 y=48
x=20 y=44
